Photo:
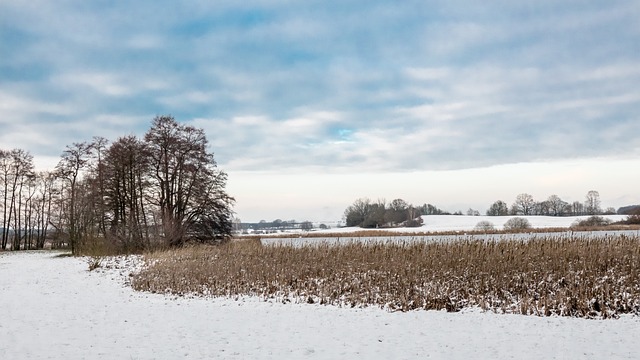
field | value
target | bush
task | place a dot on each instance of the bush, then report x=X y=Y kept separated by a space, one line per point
x=517 y=223
x=417 y=222
x=592 y=221
x=94 y=262
x=633 y=219
x=485 y=226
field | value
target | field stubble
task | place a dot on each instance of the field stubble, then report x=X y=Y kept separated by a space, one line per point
x=594 y=278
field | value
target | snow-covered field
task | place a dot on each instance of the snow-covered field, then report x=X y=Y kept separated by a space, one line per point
x=53 y=308
x=436 y=223
x=457 y=225
x=442 y=223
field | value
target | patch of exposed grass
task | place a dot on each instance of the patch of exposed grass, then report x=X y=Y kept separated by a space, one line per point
x=597 y=278
x=94 y=262
x=64 y=254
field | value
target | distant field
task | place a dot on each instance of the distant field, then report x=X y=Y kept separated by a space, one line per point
x=373 y=237
x=456 y=223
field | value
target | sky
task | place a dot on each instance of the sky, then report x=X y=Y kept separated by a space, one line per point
x=310 y=105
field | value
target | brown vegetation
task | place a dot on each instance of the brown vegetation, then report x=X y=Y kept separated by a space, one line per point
x=567 y=277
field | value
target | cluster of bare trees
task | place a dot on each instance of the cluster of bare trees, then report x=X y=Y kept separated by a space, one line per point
x=367 y=214
x=27 y=198
x=525 y=204
x=164 y=189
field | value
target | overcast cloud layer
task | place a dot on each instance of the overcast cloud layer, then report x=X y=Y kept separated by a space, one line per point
x=346 y=85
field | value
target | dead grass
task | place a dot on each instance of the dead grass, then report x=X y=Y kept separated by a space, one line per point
x=597 y=278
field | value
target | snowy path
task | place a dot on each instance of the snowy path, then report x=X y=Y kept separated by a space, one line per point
x=53 y=308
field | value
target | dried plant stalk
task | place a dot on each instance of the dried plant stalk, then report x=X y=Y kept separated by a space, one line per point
x=597 y=278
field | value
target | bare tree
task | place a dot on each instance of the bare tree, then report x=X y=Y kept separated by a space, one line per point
x=542 y=208
x=22 y=170
x=99 y=146
x=473 y=212
x=577 y=208
x=375 y=216
x=498 y=208
x=126 y=165
x=74 y=159
x=5 y=174
x=524 y=204
x=306 y=225
x=397 y=211
x=355 y=214
x=592 y=203
x=556 y=205
x=47 y=190
x=189 y=189
x=428 y=209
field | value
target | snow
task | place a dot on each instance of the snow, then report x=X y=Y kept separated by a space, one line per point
x=456 y=225
x=54 y=308
x=441 y=223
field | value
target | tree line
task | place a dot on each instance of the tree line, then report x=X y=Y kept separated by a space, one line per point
x=526 y=205
x=368 y=214
x=132 y=194
x=276 y=225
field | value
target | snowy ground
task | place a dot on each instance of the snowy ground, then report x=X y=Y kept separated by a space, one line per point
x=53 y=308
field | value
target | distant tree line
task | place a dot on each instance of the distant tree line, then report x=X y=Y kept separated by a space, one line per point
x=160 y=190
x=368 y=214
x=280 y=225
x=525 y=204
x=27 y=199
x=629 y=210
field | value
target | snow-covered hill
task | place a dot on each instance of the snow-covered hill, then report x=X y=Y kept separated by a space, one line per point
x=438 y=223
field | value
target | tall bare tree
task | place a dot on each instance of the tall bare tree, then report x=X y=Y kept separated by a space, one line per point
x=498 y=208
x=127 y=167
x=356 y=213
x=557 y=206
x=99 y=146
x=74 y=160
x=5 y=181
x=188 y=187
x=22 y=170
x=592 y=203
x=524 y=204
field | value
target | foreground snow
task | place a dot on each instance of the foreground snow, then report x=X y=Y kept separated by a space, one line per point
x=53 y=308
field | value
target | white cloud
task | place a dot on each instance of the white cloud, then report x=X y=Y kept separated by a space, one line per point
x=105 y=83
x=15 y=106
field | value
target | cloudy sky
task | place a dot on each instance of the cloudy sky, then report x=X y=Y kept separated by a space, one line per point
x=310 y=105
